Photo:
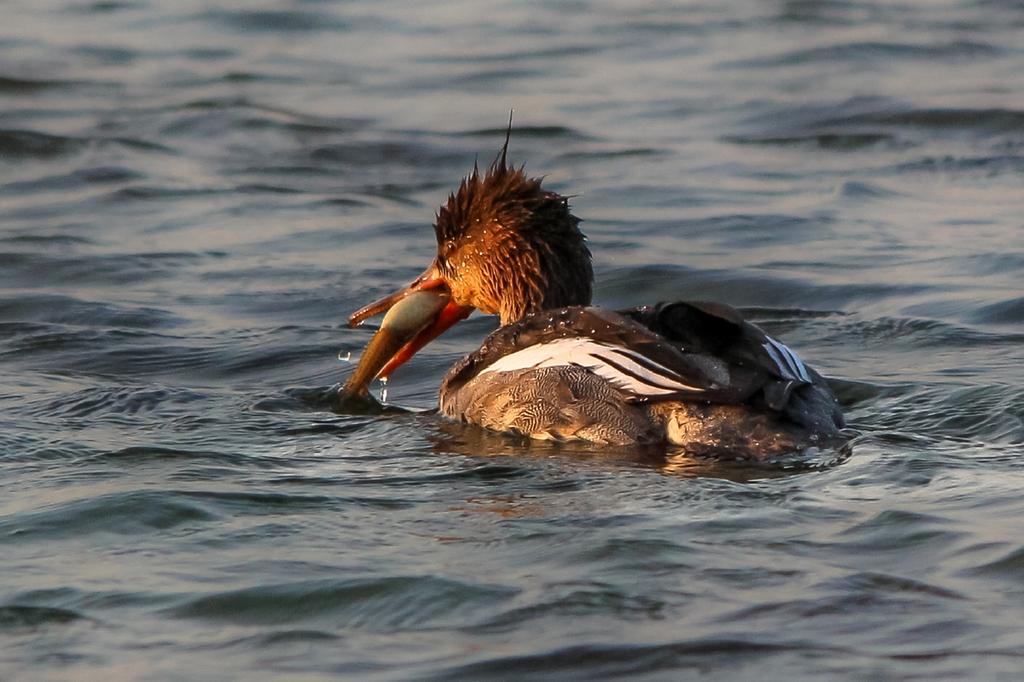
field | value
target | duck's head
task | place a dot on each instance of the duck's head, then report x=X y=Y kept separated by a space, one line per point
x=505 y=246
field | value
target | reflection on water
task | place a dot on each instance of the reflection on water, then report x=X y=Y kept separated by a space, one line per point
x=448 y=438
x=193 y=196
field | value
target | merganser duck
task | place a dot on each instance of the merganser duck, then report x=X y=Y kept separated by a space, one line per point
x=690 y=374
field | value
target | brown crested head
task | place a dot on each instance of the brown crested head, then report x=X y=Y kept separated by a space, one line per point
x=507 y=246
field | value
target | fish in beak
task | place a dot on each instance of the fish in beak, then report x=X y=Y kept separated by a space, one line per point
x=415 y=316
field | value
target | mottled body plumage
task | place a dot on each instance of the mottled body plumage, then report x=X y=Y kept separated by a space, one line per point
x=736 y=397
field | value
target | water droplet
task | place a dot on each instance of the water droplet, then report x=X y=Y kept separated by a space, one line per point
x=345 y=356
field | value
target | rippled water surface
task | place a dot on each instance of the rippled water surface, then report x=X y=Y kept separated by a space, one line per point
x=193 y=195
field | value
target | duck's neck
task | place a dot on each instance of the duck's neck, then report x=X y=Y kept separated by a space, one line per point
x=514 y=308
x=529 y=270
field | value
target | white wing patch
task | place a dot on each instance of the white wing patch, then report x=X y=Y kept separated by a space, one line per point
x=623 y=368
x=790 y=366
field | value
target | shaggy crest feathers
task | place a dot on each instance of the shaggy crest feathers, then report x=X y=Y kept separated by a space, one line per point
x=508 y=246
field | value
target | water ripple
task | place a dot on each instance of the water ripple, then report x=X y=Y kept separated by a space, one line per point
x=132 y=513
x=379 y=604
x=871 y=51
x=14 y=617
x=32 y=144
x=616 y=660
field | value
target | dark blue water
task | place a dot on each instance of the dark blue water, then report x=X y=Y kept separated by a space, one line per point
x=194 y=195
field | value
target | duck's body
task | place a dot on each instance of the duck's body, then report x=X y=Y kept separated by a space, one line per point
x=691 y=374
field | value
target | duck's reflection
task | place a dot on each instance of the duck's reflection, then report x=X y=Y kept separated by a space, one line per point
x=448 y=438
